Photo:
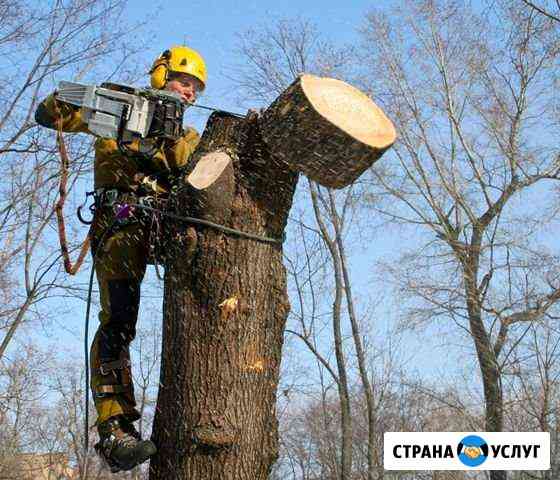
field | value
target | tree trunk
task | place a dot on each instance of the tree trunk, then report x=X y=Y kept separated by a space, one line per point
x=346 y=447
x=225 y=307
x=491 y=377
x=225 y=302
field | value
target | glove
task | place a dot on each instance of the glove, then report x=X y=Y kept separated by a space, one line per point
x=254 y=114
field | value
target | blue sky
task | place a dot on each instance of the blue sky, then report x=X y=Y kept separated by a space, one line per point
x=211 y=27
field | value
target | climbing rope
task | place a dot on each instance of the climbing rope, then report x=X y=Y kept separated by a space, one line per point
x=64 y=163
x=86 y=335
x=206 y=223
x=86 y=356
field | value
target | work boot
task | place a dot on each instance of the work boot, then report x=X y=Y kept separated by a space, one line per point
x=121 y=446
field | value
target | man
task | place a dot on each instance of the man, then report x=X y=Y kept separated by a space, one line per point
x=121 y=254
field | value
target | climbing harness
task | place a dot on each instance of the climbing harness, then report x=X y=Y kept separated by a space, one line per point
x=124 y=212
x=121 y=204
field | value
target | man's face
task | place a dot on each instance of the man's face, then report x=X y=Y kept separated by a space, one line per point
x=185 y=85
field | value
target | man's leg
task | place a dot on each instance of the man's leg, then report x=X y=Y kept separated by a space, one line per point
x=111 y=380
x=120 y=267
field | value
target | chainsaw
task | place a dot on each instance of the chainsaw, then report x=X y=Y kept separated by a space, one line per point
x=126 y=113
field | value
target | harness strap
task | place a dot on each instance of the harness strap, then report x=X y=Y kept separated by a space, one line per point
x=111 y=389
x=107 y=367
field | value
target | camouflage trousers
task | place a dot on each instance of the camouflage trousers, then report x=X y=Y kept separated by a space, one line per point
x=120 y=262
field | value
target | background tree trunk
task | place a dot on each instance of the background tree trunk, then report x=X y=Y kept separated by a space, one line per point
x=225 y=308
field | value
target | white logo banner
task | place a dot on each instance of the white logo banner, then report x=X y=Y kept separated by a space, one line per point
x=466 y=451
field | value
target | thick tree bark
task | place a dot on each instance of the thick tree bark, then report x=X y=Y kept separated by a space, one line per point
x=225 y=308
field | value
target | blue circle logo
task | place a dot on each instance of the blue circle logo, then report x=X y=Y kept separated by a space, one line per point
x=472 y=451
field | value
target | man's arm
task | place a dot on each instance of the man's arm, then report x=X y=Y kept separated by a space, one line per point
x=179 y=153
x=50 y=110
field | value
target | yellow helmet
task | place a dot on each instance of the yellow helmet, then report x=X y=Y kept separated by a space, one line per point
x=177 y=59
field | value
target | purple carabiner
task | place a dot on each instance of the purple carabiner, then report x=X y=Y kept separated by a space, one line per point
x=123 y=211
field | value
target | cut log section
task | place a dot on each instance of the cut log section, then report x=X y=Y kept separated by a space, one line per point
x=327 y=130
x=208 y=169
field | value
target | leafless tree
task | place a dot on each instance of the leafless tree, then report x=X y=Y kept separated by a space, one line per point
x=548 y=8
x=21 y=408
x=467 y=91
x=41 y=42
x=406 y=405
x=532 y=387
x=42 y=407
x=274 y=54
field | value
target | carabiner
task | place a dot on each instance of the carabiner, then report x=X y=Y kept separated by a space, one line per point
x=91 y=209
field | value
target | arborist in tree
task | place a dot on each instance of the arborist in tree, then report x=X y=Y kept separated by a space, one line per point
x=141 y=172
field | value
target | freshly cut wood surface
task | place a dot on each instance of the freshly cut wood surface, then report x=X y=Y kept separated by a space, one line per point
x=350 y=110
x=208 y=169
x=326 y=129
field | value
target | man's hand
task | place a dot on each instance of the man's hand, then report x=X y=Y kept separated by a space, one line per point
x=254 y=114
